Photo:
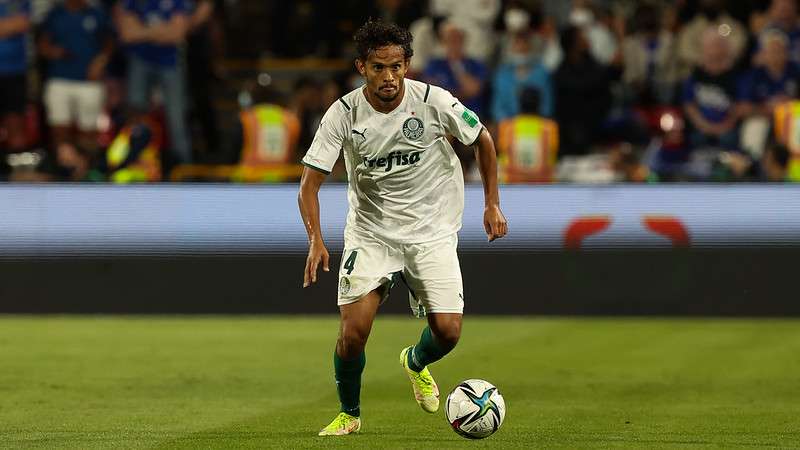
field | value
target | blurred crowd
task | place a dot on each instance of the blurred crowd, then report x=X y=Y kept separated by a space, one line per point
x=94 y=90
x=574 y=91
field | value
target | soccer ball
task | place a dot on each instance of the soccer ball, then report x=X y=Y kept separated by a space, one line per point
x=475 y=409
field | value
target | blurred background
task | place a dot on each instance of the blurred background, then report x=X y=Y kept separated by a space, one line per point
x=151 y=150
x=595 y=91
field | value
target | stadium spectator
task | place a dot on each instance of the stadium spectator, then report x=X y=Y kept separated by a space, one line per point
x=782 y=14
x=711 y=14
x=787 y=126
x=14 y=24
x=153 y=31
x=521 y=69
x=710 y=95
x=583 y=94
x=115 y=78
x=649 y=56
x=764 y=87
x=518 y=19
x=76 y=41
x=304 y=103
x=527 y=144
x=267 y=132
x=477 y=18
x=204 y=48
x=597 y=24
x=558 y=10
x=135 y=153
x=463 y=76
x=426 y=44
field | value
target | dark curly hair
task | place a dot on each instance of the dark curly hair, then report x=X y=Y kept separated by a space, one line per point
x=376 y=34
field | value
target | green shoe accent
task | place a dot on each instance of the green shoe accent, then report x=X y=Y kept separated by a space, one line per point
x=343 y=424
x=426 y=392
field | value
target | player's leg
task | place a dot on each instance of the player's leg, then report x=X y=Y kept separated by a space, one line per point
x=434 y=276
x=349 y=360
x=365 y=277
x=437 y=340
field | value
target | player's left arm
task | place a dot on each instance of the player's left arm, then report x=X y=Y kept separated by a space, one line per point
x=494 y=222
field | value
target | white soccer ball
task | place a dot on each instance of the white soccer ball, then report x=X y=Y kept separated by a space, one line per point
x=475 y=409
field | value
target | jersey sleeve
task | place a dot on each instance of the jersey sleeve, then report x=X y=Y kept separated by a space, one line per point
x=456 y=118
x=328 y=140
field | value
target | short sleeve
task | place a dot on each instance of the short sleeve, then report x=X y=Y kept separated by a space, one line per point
x=328 y=139
x=456 y=118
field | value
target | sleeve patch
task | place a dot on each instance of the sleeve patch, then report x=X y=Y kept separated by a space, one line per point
x=469 y=118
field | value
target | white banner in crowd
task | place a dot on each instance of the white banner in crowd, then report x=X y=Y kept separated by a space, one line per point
x=175 y=219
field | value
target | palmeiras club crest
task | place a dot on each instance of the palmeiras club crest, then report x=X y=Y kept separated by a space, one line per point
x=344 y=286
x=412 y=128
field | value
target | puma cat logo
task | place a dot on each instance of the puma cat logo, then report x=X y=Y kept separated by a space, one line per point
x=361 y=133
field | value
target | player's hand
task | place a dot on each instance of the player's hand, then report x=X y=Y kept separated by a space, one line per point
x=317 y=253
x=494 y=222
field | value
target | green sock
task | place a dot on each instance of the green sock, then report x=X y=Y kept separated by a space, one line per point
x=426 y=351
x=348 y=382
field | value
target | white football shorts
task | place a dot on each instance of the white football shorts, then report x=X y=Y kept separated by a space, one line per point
x=430 y=270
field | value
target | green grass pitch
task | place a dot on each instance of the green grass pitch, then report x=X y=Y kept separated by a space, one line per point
x=266 y=382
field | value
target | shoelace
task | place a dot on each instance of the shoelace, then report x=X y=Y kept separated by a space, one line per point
x=427 y=384
x=342 y=420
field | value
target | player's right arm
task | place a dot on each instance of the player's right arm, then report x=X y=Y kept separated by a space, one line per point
x=319 y=161
x=308 y=199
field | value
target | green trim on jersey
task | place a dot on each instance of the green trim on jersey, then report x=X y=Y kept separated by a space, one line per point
x=318 y=169
x=475 y=142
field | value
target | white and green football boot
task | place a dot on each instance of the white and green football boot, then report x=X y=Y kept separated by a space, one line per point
x=343 y=424
x=426 y=392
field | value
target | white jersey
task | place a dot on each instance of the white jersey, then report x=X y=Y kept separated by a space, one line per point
x=404 y=179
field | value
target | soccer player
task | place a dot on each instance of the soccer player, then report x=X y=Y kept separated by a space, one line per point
x=406 y=197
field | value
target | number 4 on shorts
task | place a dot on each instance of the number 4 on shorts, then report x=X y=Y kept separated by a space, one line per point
x=351 y=262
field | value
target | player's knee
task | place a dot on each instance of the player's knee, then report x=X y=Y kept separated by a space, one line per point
x=351 y=343
x=448 y=335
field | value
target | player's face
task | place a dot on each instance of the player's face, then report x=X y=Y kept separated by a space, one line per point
x=384 y=70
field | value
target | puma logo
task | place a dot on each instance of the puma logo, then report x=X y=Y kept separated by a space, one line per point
x=361 y=133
